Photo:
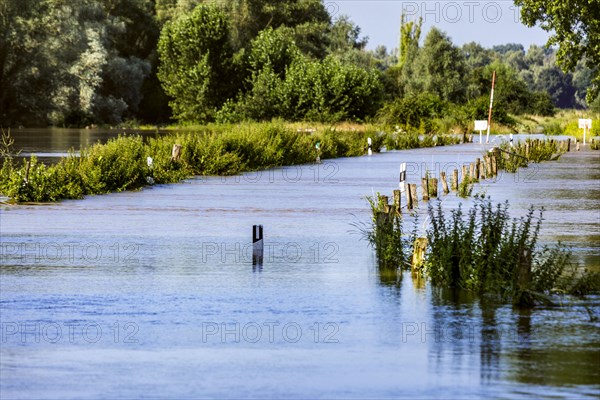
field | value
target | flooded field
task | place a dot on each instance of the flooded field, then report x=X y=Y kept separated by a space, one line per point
x=153 y=293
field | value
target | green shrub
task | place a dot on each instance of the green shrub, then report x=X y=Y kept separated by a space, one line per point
x=484 y=251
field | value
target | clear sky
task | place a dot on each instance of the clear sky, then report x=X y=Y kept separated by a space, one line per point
x=487 y=22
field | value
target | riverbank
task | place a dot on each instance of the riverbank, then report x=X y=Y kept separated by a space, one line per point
x=130 y=162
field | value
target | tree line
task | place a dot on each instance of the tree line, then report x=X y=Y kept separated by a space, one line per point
x=81 y=62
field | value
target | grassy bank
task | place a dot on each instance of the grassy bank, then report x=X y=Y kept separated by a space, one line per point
x=130 y=162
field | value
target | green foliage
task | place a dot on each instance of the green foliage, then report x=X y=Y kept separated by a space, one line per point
x=483 y=251
x=74 y=62
x=410 y=34
x=327 y=91
x=195 y=67
x=393 y=247
x=274 y=49
x=413 y=111
x=465 y=187
x=575 y=30
x=440 y=68
x=122 y=163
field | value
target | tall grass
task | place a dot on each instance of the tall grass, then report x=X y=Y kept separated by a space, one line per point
x=485 y=251
x=392 y=245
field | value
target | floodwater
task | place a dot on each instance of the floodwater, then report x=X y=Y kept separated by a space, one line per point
x=154 y=293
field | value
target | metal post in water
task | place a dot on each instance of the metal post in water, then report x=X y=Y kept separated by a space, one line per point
x=402 y=177
x=318 y=147
x=257 y=245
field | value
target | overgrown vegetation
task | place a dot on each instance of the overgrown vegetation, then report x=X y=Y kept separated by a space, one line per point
x=123 y=163
x=111 y=62
x=484 y=251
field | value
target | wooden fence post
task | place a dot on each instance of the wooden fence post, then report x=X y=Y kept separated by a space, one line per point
x=176 y=152
x=397 y=201
x=425 y=186
x=418 y=255
x=413 y=194
x=455 y=180
x=409 y=202
x=444 y=183
x=433 y=190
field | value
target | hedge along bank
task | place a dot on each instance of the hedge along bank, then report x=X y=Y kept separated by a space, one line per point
x=129 y=162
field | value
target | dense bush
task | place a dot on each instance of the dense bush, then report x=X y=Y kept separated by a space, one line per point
x=123 y=163
x=416 y=111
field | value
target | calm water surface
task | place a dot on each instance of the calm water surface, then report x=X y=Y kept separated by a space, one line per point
x=153 y=293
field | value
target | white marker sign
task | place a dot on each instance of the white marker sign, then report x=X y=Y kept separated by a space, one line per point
x=481 y=125
x=402 y=177
x=586 y=125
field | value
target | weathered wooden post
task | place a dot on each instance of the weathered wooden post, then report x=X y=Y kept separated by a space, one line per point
x=455 y=180
x=27 y=167
x=527 y=150
x=577 y=145
x=413 y=194
x=418 y=258
x=569 y=144
x=397 y=201
x=523 y=280
x=409 y=202
x=370 y=146
x=257 y=245
x=494 y=158
x=176 y=152
x=472 y=171
x=477 y=168
x=444 y=182
x=488 y=166
x=465 y=174
x=425 y=186
x=482 y=168
x=384 y=203
x=433 y=190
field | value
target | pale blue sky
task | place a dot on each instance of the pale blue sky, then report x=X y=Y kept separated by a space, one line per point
x=486 y=22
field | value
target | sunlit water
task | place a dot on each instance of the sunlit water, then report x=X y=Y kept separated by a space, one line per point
x=153 y=293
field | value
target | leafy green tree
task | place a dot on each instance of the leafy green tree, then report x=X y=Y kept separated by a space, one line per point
x=410 y=34
x=274 y=48
x=558 y=85
x=440 y=68
x=476 y=56
x=344 y=35
x=576 y=30
x=196 y=63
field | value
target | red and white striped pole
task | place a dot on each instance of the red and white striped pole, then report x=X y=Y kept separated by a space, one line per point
x=487 y=138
